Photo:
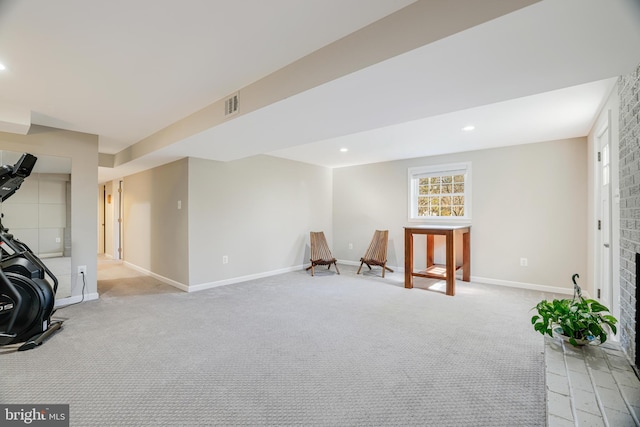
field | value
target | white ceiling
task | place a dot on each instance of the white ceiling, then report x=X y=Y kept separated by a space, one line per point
x=564 y=113
x=126 y=69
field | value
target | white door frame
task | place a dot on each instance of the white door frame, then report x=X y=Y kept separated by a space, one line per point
x=118 y=250
x=605 y=129
x=604 y=250
x=102 y=206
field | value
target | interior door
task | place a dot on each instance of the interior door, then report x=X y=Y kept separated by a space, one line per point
x=101 y=219
x=119 y=246
x=604 y=286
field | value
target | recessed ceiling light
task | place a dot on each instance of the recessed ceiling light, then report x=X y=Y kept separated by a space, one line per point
x=344 y=150
x=468 y=128
x=2 y=67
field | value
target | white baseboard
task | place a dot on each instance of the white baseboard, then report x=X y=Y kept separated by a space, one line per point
x=163 y=279
x=240 y=279
x=523 y=285
x=490 y=281
x=395 y=268
x=209 y=285
x=342 y=261
x=51 y=255
x=62 y=302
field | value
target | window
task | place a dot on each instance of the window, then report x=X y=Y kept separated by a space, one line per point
x=440 y=193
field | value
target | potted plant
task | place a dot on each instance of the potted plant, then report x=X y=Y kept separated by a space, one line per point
x=578 y=320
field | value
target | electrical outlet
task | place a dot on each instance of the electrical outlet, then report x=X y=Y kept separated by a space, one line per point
x=82 y=269
x=57 y=240
x=350 y=245
x=524 y=262
x=225 y=259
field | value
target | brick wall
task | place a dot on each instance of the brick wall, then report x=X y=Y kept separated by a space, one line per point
x=629 y=92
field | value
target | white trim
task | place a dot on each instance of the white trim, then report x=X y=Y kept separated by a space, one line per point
x=345 y=262
x=163 y=279
x=606 y=127
x=240 y=279
x=209 y=285
x=489 y=281
x=395 y=269
x=443 y=220
x=51 y=255
x=61 y=303
x=432 y=169
x=444 y=169
x=523 y=285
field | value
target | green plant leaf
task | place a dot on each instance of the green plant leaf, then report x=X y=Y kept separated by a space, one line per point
x=596 y=307
x=578 y=318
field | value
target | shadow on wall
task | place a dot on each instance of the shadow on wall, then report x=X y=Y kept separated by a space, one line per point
x=392 y=256
x=306 y=249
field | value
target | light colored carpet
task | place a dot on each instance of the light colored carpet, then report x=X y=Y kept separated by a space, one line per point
x=329 y=350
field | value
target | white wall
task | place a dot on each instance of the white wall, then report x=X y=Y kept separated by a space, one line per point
x=528 y=201
x=258 y=212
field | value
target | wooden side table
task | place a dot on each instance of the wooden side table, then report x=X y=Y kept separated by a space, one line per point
x=448 y=271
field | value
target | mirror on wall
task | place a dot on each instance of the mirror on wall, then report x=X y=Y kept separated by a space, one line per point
x=39 y=214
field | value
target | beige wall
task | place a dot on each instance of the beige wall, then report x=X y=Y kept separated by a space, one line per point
x=257 y=211
x=155 y=230
x=528 y=201
x=83 y=150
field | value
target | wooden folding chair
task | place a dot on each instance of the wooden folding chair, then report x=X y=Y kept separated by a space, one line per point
x=320 y=253
x=377 y=252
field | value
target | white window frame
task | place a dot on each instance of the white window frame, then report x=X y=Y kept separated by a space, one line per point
x=447 y=169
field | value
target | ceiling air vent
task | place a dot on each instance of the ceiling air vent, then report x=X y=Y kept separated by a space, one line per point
x=231 y=105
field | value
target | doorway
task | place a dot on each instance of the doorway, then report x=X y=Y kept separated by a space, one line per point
x=604 y=249
x=119 y=246
x=110 y=220
x=102 y=210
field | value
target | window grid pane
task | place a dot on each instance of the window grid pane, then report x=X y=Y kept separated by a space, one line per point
x=443 y=197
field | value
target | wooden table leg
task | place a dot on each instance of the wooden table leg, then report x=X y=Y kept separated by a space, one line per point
x=430 y=247
x=466 y=256
x=450 y=266
x=408 y=259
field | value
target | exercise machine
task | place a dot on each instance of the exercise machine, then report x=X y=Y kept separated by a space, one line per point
x=26 y=296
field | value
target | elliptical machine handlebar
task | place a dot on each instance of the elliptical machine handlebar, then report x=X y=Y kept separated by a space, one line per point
x=11 y=177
